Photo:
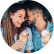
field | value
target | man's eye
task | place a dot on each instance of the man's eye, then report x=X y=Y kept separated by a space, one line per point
x=27 y=16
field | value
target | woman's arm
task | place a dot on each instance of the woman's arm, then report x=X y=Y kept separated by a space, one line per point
x=19 y=44
x=28 y=51
x=29 y=43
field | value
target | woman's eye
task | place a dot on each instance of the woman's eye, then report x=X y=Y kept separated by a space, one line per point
x=19 y=16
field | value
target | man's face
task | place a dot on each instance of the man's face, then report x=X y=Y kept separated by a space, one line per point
x=30 y=18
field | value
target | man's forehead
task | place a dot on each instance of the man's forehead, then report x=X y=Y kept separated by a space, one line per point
x=28 y=12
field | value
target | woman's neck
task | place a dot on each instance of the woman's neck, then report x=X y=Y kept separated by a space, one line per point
x=15 y=30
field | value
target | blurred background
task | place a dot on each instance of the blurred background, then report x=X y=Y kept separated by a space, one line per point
x=48 y=11
x=4 y=5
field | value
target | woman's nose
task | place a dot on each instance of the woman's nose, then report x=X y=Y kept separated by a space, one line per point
x=23 y=19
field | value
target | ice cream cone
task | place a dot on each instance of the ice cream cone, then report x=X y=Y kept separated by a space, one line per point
x=45 y=35
x=46 y=38
x=23 y=37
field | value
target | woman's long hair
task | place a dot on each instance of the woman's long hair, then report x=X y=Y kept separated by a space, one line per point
x=8 y=29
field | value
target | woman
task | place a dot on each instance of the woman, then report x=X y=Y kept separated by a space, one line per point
x=14 y=25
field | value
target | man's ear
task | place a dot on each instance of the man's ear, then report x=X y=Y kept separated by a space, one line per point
x=37 y=15
x=11 y=15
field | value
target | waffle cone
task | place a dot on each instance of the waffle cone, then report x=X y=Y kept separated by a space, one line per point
x=46 y=38
x=24 y=37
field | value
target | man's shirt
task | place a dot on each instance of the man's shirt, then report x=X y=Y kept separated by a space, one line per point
x=36 y=38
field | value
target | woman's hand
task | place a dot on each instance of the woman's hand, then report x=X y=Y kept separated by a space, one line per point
x=19 y=44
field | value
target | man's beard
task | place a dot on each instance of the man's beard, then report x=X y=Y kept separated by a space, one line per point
x=33 y=22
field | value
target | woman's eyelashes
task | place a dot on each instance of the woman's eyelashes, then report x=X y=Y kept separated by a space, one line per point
x=20 y=16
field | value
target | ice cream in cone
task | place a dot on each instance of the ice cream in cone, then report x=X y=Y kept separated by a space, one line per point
x=24 y=35
x=45 y=35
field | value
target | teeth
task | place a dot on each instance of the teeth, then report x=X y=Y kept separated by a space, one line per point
x=28 y=21
x=19 y=22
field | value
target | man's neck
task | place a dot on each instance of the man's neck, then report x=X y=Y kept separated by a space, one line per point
x=41 y=25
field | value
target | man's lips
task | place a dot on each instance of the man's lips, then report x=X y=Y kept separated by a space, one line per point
x=28 y=20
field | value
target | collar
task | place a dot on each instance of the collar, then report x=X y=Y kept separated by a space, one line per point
x=48 y=25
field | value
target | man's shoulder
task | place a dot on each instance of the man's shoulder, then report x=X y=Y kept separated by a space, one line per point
x=51 y=26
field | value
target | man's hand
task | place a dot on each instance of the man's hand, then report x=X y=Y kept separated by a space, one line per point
x=46 y=45
x=28 y=51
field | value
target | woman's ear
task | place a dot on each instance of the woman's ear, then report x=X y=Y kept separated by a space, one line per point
x=11 y=15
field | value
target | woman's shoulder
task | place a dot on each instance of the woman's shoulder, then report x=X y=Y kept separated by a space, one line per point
x=27 y=28
x=30 y=32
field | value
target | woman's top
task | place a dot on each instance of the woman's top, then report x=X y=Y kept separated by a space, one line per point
x=28 y=44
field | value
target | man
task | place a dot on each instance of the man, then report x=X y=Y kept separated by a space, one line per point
x=35 y=18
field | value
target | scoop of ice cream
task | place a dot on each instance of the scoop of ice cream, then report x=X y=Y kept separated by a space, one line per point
x=44 y=32
x=25 y=32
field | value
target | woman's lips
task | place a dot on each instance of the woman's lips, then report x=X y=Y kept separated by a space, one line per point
x=19 y=23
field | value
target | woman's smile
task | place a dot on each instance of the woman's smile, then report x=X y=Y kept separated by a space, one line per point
x=19 y=23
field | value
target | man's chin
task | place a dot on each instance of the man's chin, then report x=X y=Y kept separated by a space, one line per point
x=29 y=23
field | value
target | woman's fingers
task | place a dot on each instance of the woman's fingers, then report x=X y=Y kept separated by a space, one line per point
x=19 y=44
x=21 y=41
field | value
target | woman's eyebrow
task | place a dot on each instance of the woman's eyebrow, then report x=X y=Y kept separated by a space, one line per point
x=21 y=14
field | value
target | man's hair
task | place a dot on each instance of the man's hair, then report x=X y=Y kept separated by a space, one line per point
x=35 y=8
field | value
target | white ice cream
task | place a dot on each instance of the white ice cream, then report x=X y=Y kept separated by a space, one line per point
x=24 y=33
x=44 y=32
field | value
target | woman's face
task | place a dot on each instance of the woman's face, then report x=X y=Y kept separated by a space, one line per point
x=18 y=17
